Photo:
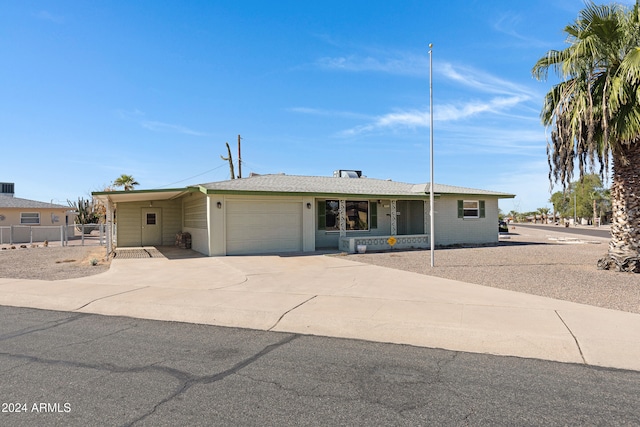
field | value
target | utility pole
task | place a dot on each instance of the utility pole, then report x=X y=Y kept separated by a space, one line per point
x=239 y=159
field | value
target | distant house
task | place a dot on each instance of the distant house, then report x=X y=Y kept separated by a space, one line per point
x=18 y=217
x=284 y=213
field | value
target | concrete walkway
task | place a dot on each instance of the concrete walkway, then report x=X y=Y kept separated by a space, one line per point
x=330 y=296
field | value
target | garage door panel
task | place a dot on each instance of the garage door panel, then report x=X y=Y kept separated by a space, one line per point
x=253 y=246
x=263 y=227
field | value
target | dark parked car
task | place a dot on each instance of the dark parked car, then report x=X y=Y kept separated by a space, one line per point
x=503 y=227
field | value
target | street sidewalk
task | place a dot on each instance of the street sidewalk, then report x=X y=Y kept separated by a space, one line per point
x=331 y=296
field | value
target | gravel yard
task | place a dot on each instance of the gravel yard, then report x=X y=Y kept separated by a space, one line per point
x=51 y=263
x=529 y=261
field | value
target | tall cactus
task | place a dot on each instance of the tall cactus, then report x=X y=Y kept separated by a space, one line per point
x=85 y=210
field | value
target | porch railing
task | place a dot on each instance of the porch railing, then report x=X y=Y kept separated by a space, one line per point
x=380 y=243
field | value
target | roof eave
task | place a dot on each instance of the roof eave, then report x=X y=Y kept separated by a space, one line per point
x=317 y=194
x=140 y=195
x=497 y=195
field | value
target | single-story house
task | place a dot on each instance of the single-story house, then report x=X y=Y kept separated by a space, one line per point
x=24 y=220
x=284 y=213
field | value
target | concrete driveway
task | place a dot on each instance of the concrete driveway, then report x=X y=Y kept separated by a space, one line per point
x=330 y=296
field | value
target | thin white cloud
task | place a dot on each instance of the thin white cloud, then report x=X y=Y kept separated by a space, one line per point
x=307 y=110
x=449 y=112
x=411 y=64
x=130 y=114
x=507 y=96
x=48 y=16
x=442 y=113
x=508 y=24
x=395 y=63
x=520 y=141
x=400 y=119
x=328 y=113
x=156 y=126
x=167 y=127
x=479 y=80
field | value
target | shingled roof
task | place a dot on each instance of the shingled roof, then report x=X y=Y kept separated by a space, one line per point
x=17 y=202
x=318 y=185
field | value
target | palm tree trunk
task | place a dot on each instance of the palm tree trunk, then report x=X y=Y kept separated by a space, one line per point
x=624 y=246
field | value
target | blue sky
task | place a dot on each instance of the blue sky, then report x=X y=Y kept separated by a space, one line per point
x=154 y=89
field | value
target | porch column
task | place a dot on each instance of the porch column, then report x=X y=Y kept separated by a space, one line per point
x=427 y=208
x=394 y=218
x=109 y=229
x=343 y=218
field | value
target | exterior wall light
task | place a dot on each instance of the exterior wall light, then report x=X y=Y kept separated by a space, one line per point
x=219 y=205
x=308 y=205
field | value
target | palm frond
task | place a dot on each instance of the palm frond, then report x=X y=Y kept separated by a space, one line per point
x=595 y=107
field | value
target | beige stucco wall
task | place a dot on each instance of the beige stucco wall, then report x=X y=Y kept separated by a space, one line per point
x=47 y=216
x=217 y=235
x=129 y=221
x=451 y=230
x=308 y=224
x=195 y=207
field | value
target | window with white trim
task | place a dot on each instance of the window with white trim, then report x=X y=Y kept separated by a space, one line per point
x=361 y=215
x=471 y=209
x=29 y=218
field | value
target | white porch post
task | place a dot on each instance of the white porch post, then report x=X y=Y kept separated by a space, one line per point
x=109 y=230
x=394 y=218
x=343 y=218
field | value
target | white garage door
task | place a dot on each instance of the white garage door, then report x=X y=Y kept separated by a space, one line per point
x=259 y=227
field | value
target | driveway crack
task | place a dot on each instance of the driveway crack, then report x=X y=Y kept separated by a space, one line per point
x=574 y=337
x=109 y=296
x=289 y=311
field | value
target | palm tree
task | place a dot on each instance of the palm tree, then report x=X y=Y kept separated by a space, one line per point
x=544 y=214
x=594 y=115
x=125 y=181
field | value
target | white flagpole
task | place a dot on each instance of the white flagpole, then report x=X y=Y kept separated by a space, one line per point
x=431 y=201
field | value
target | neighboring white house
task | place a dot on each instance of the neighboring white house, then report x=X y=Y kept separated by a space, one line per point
x=24 y=220
x=285 y=213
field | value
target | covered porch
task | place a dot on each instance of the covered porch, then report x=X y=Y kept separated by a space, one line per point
x=402 y=224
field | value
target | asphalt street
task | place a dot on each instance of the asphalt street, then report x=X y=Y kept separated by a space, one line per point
x=583 y=230
x=74 y=369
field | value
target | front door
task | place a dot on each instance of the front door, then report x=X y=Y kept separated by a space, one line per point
x=151 y=227
x=410 y=217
